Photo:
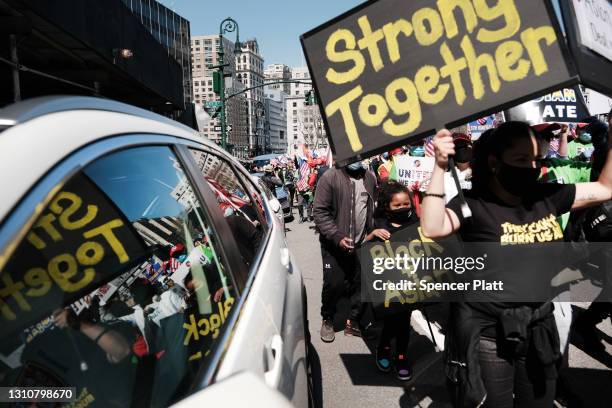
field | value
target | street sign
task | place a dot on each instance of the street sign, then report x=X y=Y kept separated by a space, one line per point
x=587 y=26
x=393 y=71
x=212 y=104
x=229 y=128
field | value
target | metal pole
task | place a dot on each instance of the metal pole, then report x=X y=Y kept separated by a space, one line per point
x=222 y=90
x=15 y=61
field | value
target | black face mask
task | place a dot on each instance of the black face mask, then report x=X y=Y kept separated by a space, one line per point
x=400 y=216
x=517 y=180
x=463 y=155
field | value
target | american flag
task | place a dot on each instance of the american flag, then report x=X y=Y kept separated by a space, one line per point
x=302 y=183
x=554 y=145
x=482 y=121
x=429 y=147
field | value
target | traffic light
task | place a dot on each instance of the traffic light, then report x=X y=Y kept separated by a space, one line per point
x=217 y=82
x=310 y=98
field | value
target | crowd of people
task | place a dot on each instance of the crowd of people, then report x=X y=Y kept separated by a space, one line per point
x=515 y=174
x=296 y=181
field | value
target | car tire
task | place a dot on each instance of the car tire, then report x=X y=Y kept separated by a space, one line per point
x=310 y=353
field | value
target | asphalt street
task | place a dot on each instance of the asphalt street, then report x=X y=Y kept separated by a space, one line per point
x=345 y=373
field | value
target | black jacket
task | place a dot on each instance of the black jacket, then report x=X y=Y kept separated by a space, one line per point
x=522 y=331
x=334 y=199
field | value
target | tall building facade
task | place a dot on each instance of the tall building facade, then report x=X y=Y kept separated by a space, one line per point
x=276 y=120
x=278 y=72
x=249 y=71
x=170 y=30
x=204 y=53
x=304 y=122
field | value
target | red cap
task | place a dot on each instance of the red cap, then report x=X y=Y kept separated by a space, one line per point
x=581 y=125
x=546 y=127
x=462 y=136
x=397 y=150
x=178 y=248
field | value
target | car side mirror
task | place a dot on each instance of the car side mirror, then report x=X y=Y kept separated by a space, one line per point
x=276 y=206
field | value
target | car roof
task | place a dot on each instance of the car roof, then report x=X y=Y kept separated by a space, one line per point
x=38 y=133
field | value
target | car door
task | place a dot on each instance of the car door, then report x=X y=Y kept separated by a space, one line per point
x=269 y=337
x=118 y=277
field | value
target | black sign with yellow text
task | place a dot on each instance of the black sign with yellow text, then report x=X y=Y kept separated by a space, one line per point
x=80 y=241
x=393 y=70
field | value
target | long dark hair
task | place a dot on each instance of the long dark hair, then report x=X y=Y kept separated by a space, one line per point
x=385 y=193
x=494 y=142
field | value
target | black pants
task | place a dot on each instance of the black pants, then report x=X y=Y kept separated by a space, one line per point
x=396 y=326
x=291 y=189
x=341 y=276
x=304 y=205
x=509 y=383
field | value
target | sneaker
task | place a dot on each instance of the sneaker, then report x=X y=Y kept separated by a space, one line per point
x=352 y=329
x=402 y=369
x=327 y=331
x=383 y=359
x=368 y=331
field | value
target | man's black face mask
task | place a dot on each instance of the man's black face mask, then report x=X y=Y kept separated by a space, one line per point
x=463 y=155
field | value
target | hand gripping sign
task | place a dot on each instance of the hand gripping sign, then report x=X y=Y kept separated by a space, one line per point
x=390 y=71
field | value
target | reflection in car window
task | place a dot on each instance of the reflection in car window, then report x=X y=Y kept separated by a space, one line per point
x=246 y=218
x=118 y=289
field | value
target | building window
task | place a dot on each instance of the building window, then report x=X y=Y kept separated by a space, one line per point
x=295 y=105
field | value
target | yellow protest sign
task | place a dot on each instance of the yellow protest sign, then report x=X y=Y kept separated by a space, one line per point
x=392 y=70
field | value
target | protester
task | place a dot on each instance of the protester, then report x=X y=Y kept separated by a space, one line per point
x=505 y=191
x=305 y=200
x=343 y=209
x=596 y=226
x=270 y=179
x=385 y=169
x=556 y=134
x=393 y=212
x=463 y=157
x=289 y=177
x=581 y=148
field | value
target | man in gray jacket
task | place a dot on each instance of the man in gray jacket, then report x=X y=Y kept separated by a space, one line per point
x=343 y=209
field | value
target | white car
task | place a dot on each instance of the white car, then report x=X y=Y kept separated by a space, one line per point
x=140 y=264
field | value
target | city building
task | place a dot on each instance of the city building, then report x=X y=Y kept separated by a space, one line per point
x=171 y=31
x=304 y=122
x=204 y=54
x=91 y=48
x=276 y=120
x=278 y=72
x=249 y=71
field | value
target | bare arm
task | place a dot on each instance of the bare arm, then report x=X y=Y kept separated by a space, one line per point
x=436 y=220
x=590 y=194
x=113 y=343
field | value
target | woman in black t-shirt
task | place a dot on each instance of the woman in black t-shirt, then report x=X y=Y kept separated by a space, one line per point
x=507 y=206
x=393 y=212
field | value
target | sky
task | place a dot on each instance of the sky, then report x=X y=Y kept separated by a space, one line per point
x=276 y=24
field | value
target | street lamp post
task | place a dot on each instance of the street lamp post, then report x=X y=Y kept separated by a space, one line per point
x=228 y=25
x=260 y=111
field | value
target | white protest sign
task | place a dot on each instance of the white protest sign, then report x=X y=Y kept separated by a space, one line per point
x=595 y=25
x=410 y=170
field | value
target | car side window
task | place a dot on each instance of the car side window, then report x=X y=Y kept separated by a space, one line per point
x=241 y=204
x=119 y=288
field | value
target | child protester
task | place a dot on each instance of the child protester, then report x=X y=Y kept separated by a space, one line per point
x=394 y=212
